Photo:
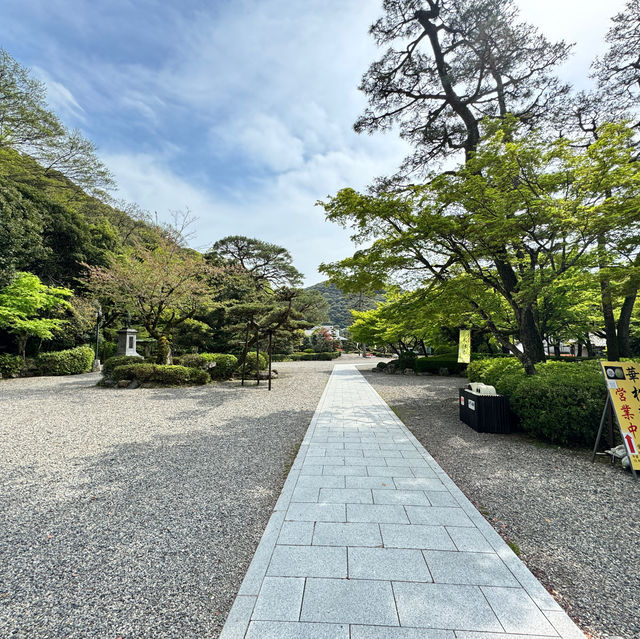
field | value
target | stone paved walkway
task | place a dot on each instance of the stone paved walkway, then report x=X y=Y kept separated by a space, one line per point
x=370 y=539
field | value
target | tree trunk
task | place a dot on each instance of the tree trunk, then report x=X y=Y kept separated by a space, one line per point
x=613 y=354
x=529 y=335
x=624 y=346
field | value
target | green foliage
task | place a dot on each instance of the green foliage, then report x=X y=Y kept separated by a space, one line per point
x=407 y=359
x=281 y=357
x=434 y=364
x=561 y=404
x=22 y=304
x=341 y=304
x=318 y=357
x=381 y=365
x=73 y=361
x=161 y=374
x=225 y=366
x=11 y=365
x=163 y=350
x=119 y=360
x=250 y=368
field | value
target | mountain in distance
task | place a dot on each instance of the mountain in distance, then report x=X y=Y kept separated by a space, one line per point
x=341 y=303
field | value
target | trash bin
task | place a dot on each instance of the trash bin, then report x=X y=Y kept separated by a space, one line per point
x=485 y=413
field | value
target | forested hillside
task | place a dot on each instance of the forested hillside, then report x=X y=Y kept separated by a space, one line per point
x=71 y=255
x=340 y=304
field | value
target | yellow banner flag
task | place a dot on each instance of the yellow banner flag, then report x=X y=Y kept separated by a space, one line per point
x=464 y=349
x=623 y=382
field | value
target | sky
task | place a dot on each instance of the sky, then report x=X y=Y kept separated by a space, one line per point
x=241 y=112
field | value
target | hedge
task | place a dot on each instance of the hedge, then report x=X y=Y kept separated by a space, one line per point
x=119 y=360
x=561 y=404
x=318 y=357
x=69 y=362
x=225 y=364
x=434 y=364
x=11 y=365
x=161 y=374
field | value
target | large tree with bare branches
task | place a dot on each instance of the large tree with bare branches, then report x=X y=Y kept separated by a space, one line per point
x=451 y=63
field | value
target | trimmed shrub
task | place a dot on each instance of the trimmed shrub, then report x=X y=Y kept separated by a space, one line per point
x=165 y=375
x=11 y=365
x=225 y=364
x=434 y=364
x=69 y=362
x=502 y=373
x=381 y=365
x=120 y=360
x=251 y=363
x=561 y=404
x=406 y=359
x=191 y=360
x=315 y=357
x=281 y=357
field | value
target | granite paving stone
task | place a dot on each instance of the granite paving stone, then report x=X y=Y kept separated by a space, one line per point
x=391 y=564
x=329 y=534
x=373 y=541
x=308 y=561
x=416 y=536
x=444 y=606
x=517 y=612
x=349 y=601
x=438 y=516
x=377 y=513
x=401 y=497
x=296 y=533
x=280 y=599
x=475 y=568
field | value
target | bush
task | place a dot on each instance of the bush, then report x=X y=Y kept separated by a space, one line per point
x=561 y=404
x=381 y=365
x=165 y=375
x=317 y=357
x=11 y=365
x=434 y=364
x=69 y=362
x=225 y=364
x=119 y=360
x=406 y=359
x=251 y=363
x=281 y=357
x=502 y=373
x=108 y=350
x=191 y=360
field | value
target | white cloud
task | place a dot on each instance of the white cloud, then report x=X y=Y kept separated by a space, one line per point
x=60 y=98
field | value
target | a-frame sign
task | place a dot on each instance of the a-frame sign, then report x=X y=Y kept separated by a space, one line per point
x=623 y=385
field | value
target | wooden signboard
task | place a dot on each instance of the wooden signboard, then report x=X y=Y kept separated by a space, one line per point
x=623 y=384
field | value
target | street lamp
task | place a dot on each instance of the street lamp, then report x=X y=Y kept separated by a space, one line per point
x=96 y=361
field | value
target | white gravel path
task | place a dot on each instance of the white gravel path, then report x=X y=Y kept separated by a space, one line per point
x=135 y=513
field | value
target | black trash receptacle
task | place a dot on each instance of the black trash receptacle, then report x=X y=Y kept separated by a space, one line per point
x=485 y=413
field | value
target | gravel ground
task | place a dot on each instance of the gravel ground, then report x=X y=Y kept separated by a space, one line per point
x=576 y=524
x=135 y=513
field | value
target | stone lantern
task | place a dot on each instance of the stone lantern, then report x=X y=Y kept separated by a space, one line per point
x=127 y=340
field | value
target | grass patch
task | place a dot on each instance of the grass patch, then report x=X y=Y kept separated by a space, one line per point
x=514 y=547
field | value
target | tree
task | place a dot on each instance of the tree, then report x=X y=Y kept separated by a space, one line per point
x=516 y=217
x=23 y=303
x=451 y=64
x=267 y=264
x=20 y=232
x=162 y=285
x=257 y=294
x=27 y=125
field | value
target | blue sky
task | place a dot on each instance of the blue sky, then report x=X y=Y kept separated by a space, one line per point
x=240 y=111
